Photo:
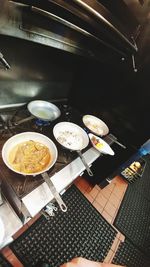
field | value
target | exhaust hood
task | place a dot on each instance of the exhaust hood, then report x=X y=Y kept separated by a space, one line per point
x=80 y=27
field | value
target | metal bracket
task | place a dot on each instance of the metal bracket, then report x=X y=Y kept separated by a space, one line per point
x=133 y=63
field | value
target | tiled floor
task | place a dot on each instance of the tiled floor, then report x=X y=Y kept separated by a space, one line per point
x=107 y=201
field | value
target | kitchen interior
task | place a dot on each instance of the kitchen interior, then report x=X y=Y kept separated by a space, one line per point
x=80 y=58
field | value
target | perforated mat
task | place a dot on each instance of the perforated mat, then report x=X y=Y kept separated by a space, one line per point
x=130 y=256
x=142 y=185
x=4 y=262
x=81 y=231
x=133 y=219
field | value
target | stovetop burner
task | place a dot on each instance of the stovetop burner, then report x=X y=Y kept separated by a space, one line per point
x=22 y=185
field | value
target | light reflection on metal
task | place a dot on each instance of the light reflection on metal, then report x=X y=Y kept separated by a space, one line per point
x=98 y=15
x=4 y=62
x=32 y=90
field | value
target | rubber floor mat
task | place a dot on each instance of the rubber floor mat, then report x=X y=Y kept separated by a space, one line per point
x=130 y=256
x=4 y=262
x=133 y=219
x=81 y=231
x=142 y=185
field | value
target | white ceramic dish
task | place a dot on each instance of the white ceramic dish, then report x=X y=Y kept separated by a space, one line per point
x=95 y=125
x=26 y=136
x=101 y=145
x=2 y=232
x=70 y=135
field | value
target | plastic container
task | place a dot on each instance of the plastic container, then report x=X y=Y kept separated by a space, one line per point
x=145 y=148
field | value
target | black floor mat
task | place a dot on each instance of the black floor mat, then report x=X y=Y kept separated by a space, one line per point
x=4 y=262
x=81 y=231
x=130 y=256
x=133 y=219
x=142 y=185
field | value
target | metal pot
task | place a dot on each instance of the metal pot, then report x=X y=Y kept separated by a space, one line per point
x=72 y=137
x=42 y=110
x=37 y=137
x=95 y=125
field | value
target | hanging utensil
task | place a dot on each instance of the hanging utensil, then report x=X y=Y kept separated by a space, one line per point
x=21 y=138
x=72 y=137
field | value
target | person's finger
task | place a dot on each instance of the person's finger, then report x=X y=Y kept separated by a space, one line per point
x=111 y=265
x=69 y=264
x=82 y=262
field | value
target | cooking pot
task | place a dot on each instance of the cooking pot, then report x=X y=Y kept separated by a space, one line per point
x=17 y=139
x=42 y=110
x=95 y=125
x=72 y=137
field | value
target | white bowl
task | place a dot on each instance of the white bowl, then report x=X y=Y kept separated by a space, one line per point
x=105 y=148
x=26 y=136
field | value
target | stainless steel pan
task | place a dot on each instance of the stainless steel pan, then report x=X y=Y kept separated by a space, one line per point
x=72 y=137
x=95 y=125
x=26 y=136
x=42 y=110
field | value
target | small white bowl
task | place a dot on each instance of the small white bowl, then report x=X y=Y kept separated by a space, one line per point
x=104 y=147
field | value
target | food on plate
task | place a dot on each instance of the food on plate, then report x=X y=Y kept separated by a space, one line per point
x=70 y=139
x=29 y=157
x=96 y=142
x=94 y=127
x=100 y=145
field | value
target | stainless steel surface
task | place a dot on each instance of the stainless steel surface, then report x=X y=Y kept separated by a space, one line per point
x=64 y=39
x=85 y=164
x=11 y=222
x=1 y=200
x=44 y=110
x=114 y=139
x=123 y=146
x=52 y=188
x=72 y=35
x=75 y=27
x=24 y=120
x=106 y=22
x=61 y=20
x=4 y=62
x=133 y=63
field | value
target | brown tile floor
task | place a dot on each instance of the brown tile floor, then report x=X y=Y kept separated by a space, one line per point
x=107 y=201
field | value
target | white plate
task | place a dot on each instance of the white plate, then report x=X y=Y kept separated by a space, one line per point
x=26 y=136
x=101 y=145
x=95 y=125
x=70 y=135
x=2 y=232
